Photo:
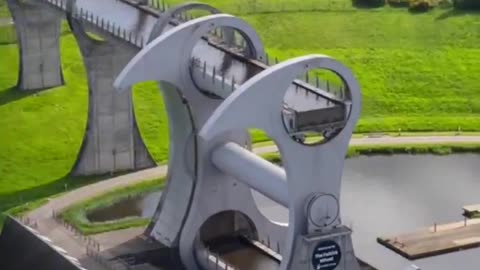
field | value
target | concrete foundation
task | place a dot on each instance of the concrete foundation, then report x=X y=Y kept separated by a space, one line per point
x=112 y=140
x=38 y=29
x=21 y=248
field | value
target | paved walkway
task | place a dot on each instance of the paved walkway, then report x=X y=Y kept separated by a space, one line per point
x=65 y=239
x=393 y=141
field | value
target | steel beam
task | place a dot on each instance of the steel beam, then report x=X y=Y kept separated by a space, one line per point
x=266 y=178
x=313 y=173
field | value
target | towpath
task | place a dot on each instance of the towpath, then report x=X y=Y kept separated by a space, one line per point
x=387 y=140
x=59 y=203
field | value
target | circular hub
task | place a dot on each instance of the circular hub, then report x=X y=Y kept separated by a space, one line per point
x=323 y=210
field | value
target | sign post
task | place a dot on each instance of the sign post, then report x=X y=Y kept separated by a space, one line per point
x=326 y=255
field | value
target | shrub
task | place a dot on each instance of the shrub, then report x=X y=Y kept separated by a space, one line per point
x=399 y=3
x=467 y=4
x=420 y=5
x=445 y=3
x=369 y=3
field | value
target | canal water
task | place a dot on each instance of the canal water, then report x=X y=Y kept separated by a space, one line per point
x=399 y=194
x=388 y=195
x=139 y=206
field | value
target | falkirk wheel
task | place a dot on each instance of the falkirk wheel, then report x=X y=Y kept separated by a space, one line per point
x=212 y=100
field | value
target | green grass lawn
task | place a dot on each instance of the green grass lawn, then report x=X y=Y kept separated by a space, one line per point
x=418 y=73
x=42 y=132
x=411 y=149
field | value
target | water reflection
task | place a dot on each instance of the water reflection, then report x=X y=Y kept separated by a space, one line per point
x=140 y=206
x=390 y=195
x=250 y=258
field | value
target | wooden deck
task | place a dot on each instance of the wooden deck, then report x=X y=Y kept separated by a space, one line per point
x=470 y=211
x=435 y=240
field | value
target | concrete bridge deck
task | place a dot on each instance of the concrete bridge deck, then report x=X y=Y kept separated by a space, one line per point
x=135 y=26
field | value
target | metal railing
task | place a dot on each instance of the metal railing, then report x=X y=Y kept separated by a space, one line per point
x=32 y=223
x=107 y=27
x=133 y=38
x=312 y=86
x=88 y=241
x=92 y=247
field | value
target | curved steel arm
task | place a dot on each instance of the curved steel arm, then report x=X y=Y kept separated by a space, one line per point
x=311 y=170
x=165 y=18
x=175 y=48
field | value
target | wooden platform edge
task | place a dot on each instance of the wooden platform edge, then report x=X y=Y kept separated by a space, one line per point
x=423 y=255
x=386 y=243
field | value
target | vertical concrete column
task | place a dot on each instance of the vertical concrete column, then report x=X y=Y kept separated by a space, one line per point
x=112 y=141
x=38 y=29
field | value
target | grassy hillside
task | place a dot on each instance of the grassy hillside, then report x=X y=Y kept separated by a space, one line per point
x=42 y=132
x=418 y=72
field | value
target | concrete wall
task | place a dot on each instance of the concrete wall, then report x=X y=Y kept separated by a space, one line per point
x=21 y=249
x=112 y=140
x=38 y=30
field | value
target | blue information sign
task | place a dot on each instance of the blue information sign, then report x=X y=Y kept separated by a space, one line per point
x=326 y=255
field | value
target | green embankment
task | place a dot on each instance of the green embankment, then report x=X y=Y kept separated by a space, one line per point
x=76 y=215
x=435 y=149
x=418 y=73
x=41 y=132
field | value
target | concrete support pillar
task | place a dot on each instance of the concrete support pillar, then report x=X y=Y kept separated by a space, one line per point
x=112 y=142
x=38 y=29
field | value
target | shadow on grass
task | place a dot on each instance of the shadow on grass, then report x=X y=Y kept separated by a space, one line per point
x=8 y=41
x=13 y=94
x=419 y=11
x=456 y=13
x=11 y=200
x=61 y=185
